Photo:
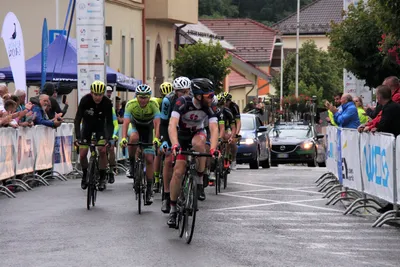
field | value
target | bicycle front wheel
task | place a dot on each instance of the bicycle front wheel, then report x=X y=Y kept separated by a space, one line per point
x=190 y=209
x=89 y=196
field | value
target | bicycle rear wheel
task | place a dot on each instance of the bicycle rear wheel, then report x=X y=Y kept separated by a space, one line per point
x=225 y=178
x=190 y=209
x=138 y=185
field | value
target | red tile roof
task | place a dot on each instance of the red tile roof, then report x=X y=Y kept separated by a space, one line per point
x=253 y=41
x=248 y=63
x=236 y=79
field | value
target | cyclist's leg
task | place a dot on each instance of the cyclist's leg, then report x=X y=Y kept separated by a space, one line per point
x=111 y=161
x=208 y=175
x=167 y=176
x=86 y=135
x=133 y=138
x=176 y=181
x=199 y=145
x=233 y=151
x=146 y=136
x=157 y=165
x=102 y=159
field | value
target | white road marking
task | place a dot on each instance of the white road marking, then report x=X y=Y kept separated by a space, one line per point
x=268 y=189
x=280 y=188
x=274 y=202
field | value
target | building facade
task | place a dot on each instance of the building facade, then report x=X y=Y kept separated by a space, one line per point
x=142 y=35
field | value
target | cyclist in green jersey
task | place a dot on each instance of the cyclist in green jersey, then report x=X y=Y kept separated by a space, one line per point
x=165 y=89
x=144 y=114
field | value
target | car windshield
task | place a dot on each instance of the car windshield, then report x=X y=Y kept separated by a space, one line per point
x=291 y=132
x=247 y=123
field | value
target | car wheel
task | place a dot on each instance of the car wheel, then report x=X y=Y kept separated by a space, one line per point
x=322 y=164
x=314 y=162
x=266 y=164
x=255 y=164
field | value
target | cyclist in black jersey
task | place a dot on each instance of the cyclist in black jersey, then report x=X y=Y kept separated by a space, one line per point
x=236 y=113
x=186 y=127
x=95 y=114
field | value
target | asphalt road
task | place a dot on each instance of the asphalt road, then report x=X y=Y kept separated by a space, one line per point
x=271 y=217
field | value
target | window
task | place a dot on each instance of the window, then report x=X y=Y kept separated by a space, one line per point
x=169 y=58
x=132 y=57
x=123 y=54
x=148 y=59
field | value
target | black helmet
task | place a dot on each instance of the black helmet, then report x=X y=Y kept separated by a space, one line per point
x=201 y=86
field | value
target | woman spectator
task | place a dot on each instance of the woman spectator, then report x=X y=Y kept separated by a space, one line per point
x=360 y=108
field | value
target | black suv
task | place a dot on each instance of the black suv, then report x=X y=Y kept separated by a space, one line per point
x=296 y=142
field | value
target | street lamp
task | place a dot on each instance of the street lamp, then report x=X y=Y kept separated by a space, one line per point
x=297 y=48
x=281 y=93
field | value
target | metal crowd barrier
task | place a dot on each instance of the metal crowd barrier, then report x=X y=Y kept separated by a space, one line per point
x=26 y=152
x=363 y=170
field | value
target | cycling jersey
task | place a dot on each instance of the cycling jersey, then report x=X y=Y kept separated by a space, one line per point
x=227 y=118
x=95 y=118
x=139 y=115
x=235 y=110
x=192 y=117
x=166 y=109
x=115 y=122
x=159 y=100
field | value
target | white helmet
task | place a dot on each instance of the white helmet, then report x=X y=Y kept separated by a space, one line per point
x=181 y=83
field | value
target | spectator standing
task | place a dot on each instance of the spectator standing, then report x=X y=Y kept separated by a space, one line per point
x=346 y=116
x=360 y=108
x=41 y=116
x=3 y=94
x=54 y=108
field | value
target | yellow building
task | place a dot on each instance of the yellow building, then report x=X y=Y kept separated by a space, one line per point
x=143 y=34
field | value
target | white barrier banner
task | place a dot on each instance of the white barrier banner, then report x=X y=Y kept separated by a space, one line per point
x=377 y=165
x=7 y=160
x=25 y=150
x=44 y=147
x=63 y=148
x=351 y=171
x=119 y=154
x=331 y=146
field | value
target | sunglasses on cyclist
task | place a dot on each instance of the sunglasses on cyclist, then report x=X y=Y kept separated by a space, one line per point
x=209 y=96
x=143 y=96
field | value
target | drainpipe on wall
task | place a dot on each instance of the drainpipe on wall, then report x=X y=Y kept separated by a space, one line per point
x=177 y=39
x=250 y=91
x=144 y=41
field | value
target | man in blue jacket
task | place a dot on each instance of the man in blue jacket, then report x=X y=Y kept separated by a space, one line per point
x=347 y=117
x=40 y=111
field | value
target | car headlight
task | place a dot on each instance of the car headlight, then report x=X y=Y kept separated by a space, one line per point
x=307 y=145
x=247 y=141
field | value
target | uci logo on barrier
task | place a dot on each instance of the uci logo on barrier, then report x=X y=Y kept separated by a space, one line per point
x=376 y=165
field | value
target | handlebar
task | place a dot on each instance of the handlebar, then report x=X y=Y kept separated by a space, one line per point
x=194 y=153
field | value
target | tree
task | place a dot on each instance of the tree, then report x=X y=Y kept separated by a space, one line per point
x=355 y=41
x=320 y=74
x=217 y=9
x=265 y=11
x=202 y=61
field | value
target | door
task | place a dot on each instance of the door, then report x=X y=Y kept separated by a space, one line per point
x=158 y=71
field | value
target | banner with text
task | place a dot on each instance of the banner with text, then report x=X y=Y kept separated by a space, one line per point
x=90 y=33
x=44 y=147
x=14 y=43
x=350 y=163
x=377 y=165
x=63 y=148
x=25 y=150
x=331 y=145
x=7 y=158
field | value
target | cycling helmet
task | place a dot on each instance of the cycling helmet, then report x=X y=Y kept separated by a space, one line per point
x=98 y=87
x=221 y=98
x=143 y=89
x=201 y=86
x=181 y=83
x=227 y=96
x=165 y=88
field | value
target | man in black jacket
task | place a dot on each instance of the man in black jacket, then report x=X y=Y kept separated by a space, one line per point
x=390 y=120
x=49 y=89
